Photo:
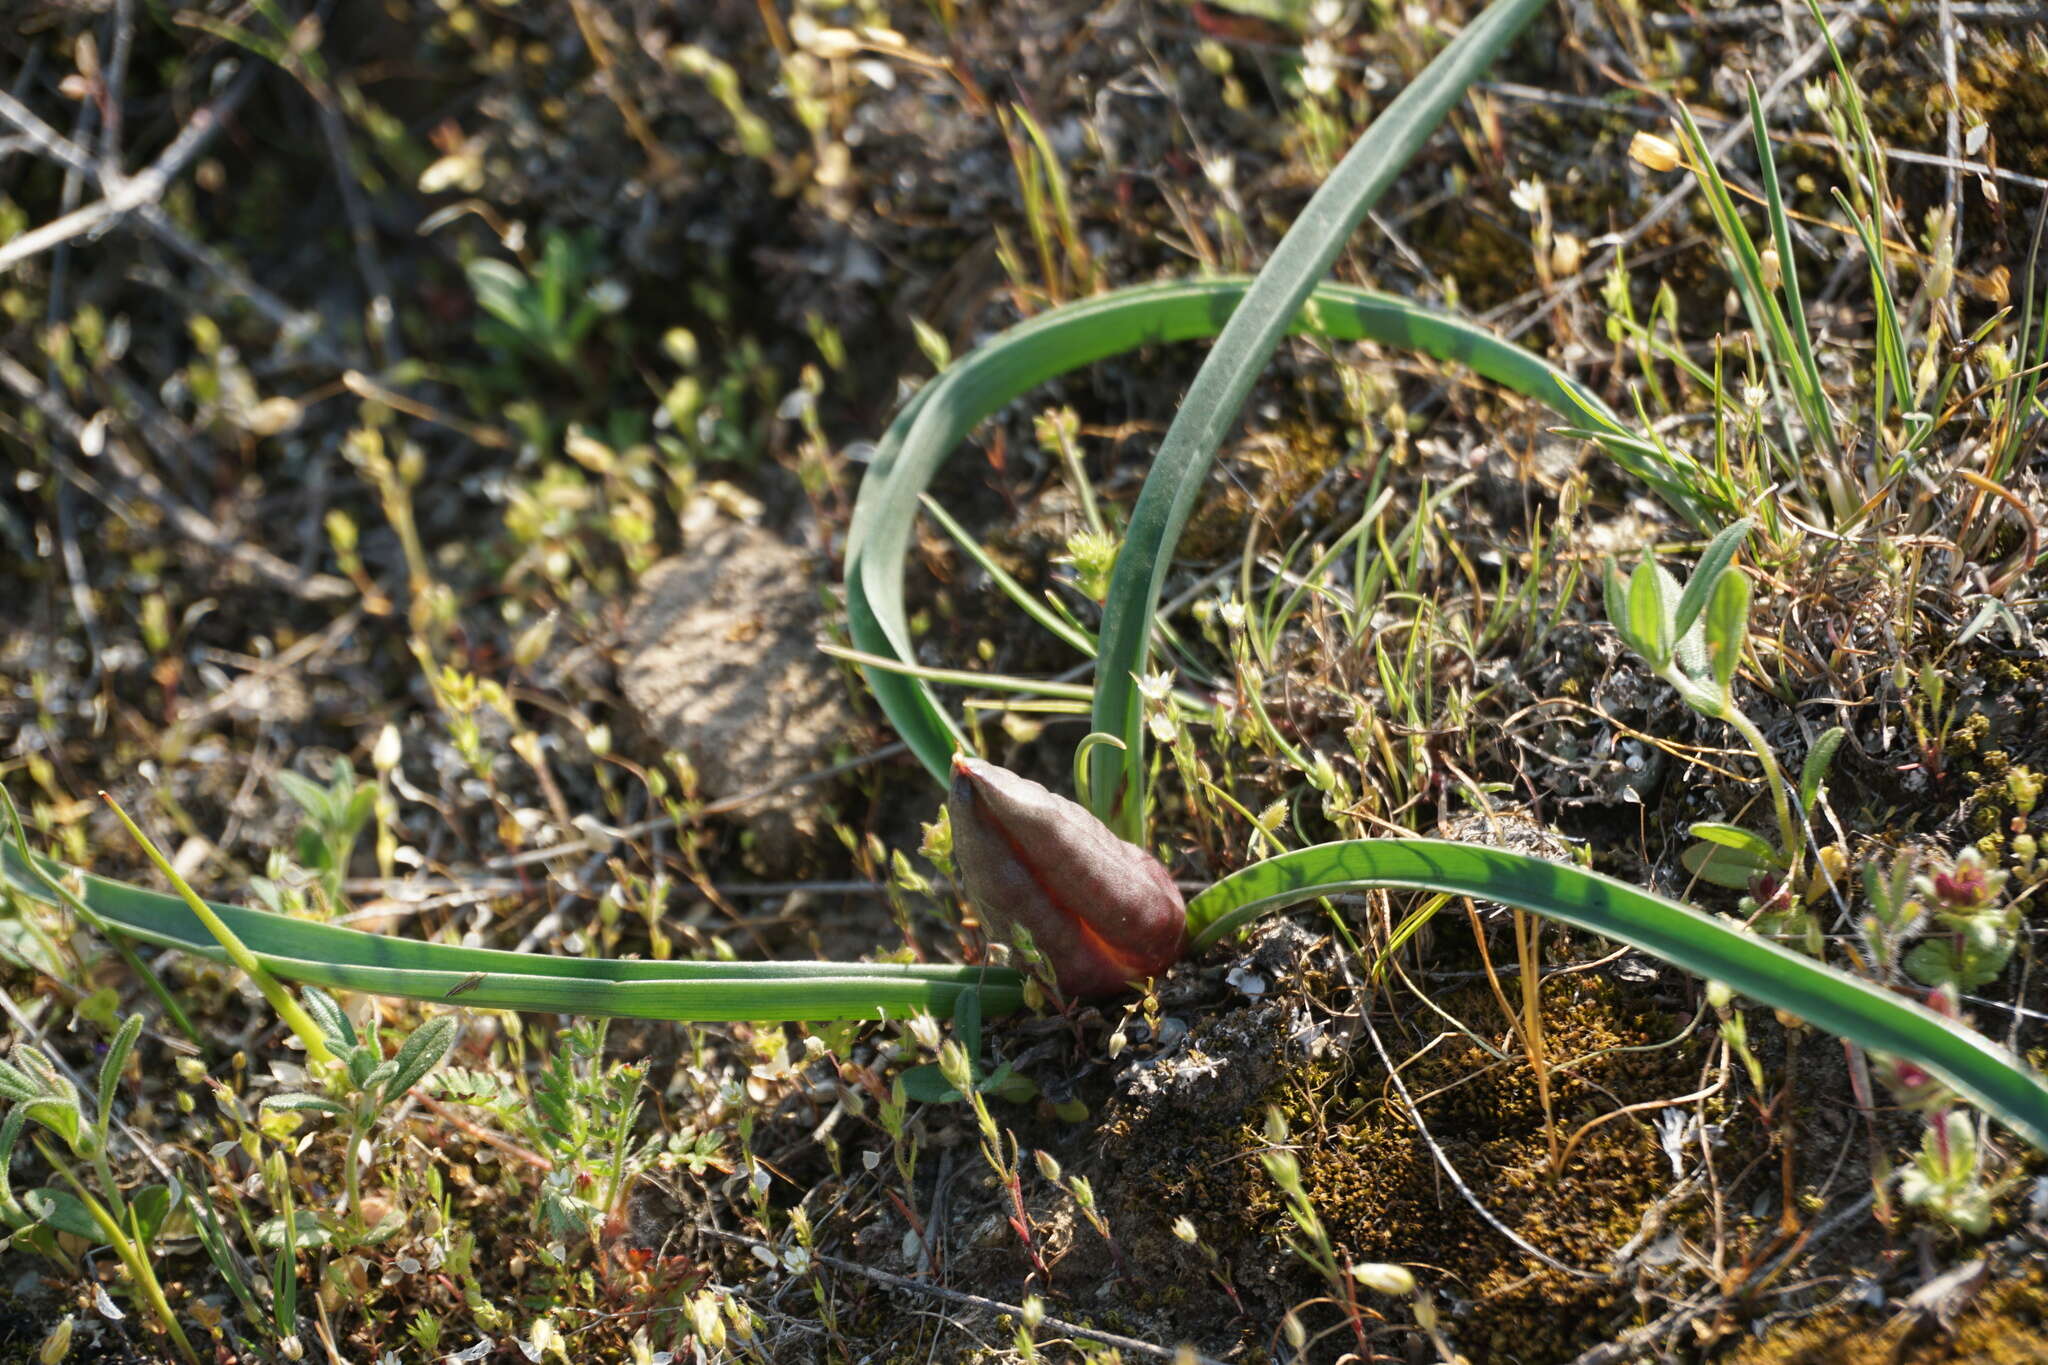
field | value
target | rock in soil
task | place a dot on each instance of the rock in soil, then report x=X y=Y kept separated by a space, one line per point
x=720 y=663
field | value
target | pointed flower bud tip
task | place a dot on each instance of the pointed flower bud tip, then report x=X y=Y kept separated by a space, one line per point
x=1102 y=912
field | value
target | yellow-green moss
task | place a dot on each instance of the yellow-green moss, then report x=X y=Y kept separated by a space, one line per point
x=2006 y=1325
x=1383 y=1198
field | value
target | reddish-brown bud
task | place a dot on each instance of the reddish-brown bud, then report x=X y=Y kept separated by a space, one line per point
x=1103 y=913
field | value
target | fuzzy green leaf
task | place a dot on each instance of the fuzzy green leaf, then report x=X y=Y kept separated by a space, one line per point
x=1614 y=589
x=332 y=1019
x=1720 y=865
x=1649 y=626
x=1734 y=837
x=1818 y=759
x=64 y=1212
x=1958 y=958
x=1727 y=626
x=1714 y=561
x=299 y=1102
x=925 y=1085
x=116 y=1059
x=151 y=1205
x=426 y=1049
x=17 y=1086
x=310 y=796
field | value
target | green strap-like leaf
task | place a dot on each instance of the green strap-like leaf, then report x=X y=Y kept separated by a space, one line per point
x=1243 y=349
x=1777 y=977
x=348 y=959
x=934 y=423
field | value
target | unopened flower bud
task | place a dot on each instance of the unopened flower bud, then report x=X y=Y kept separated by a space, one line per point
x=1102 y=913
x=954 y=1067
x=388 y=750
x=1654 y=153
x=57 y=1344
x=706 y=1320
x=1912 y=1085
x=1382 y=1278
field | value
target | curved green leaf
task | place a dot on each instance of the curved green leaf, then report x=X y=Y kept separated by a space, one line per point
x=1828 y=999
x=942 y=414
x=1242 y=350
x=1727 y=627
x=425 y=1050
x=487 y=978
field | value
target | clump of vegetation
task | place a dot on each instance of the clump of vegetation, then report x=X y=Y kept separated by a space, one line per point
x=650 y=277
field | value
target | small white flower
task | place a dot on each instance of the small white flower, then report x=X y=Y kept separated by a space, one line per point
x=1530 y=196
x=1319 y=66
x=1671 y=1135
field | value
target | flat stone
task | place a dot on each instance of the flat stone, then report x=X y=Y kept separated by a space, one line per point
x=720 y=663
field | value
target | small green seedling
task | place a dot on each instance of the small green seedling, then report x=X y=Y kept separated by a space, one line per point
x=366 y=1084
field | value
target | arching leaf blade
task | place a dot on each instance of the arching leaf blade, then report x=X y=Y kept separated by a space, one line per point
x=1832 y=1000
x=334 y=956
x=933 y=425
x=1244 y=347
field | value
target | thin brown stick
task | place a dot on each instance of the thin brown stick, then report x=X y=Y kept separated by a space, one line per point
x=121 y=197
x=294 y=325
x=185 y=520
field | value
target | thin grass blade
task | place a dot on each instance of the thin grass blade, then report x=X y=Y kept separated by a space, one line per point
x=1031 y=606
